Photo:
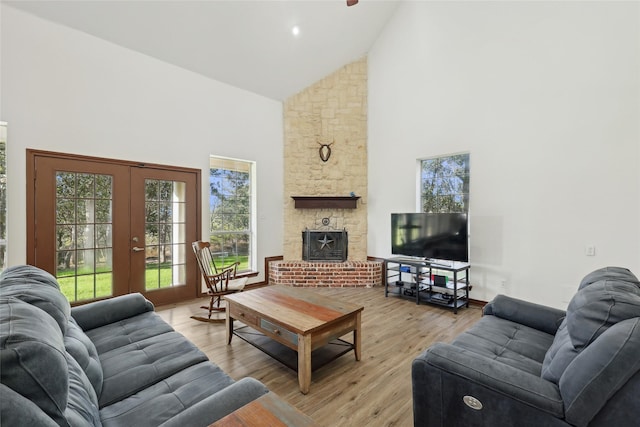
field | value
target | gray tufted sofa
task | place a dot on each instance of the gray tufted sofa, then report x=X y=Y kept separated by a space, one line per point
x=529 y=365
x=111 y=363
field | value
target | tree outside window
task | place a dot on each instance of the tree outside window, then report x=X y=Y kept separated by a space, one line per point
x=445 y=184
x=230 y=215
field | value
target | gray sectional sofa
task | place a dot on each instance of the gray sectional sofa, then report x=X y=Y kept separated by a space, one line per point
x=111 y=363
x=524 y=364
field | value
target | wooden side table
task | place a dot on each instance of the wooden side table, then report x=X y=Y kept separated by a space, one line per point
x=267 y=410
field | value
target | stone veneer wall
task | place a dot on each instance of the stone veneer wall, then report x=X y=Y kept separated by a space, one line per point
x=332 y=111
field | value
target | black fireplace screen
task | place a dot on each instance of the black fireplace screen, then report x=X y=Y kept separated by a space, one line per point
x=320 y=245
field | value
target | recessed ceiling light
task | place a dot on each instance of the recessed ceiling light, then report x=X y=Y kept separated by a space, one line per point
x=295 y=30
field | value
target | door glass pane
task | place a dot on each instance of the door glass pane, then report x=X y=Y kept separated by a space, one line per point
x=165 y=234
x=84 y=266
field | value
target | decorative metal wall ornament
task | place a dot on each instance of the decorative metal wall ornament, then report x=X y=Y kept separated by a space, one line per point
x=325 y=150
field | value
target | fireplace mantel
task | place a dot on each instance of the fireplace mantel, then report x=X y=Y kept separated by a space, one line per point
x=326 y=202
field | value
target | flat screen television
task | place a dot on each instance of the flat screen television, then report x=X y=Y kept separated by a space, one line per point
x=438 y=236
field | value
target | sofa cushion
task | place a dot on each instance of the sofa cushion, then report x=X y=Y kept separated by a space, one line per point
x=82 y=405
x=38 y=288
x=559 y=356
x=84 y=352
x=508 y=342
x=133 y=367
x=127 y=331
x=166 y=399
x=596 y=307
x=599 y=372
x=32 y=357
x=605 y=297
x=609 y=273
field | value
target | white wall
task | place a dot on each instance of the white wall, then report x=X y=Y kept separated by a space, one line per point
x=66 y=91
x=545 y=96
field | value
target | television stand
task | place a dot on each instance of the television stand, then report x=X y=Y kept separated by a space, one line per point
x=440 y=263
x=428 y=282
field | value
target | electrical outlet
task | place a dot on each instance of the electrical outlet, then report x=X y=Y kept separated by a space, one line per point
x=590 y=250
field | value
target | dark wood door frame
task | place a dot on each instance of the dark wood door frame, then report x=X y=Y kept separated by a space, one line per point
x=32 y=155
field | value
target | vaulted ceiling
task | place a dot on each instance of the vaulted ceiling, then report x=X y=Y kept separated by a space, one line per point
x=247 y=44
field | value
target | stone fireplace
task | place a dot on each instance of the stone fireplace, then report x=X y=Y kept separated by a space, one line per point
x=331 y=194
x=327 y=194
x=324 y=264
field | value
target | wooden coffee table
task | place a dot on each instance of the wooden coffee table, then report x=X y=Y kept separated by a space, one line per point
x=295 y=319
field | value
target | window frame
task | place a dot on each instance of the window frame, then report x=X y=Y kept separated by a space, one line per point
x=250 y=231
x=463 y=195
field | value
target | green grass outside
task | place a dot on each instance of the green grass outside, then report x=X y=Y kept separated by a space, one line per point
x=86 y=286
x=157 y=276
x=244 y=262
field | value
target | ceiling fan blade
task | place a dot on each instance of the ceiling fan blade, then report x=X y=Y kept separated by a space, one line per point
x=351 y=2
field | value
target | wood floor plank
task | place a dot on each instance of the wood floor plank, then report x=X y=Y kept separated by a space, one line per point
x=372 y=392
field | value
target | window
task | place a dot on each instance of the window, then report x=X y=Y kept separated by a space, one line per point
x=231 y=211
x=444 y=184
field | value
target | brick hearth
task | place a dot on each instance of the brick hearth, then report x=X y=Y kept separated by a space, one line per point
x=326 y=274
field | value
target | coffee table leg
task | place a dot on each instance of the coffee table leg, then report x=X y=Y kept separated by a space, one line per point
x=357 y=337
x=229 y=325
x=304 y=363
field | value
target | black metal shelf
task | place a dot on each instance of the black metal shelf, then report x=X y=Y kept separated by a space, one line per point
x=454 y=294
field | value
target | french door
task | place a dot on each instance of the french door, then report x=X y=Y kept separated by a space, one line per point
x=106 y=227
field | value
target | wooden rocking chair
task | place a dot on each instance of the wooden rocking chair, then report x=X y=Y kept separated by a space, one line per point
x=219 y=281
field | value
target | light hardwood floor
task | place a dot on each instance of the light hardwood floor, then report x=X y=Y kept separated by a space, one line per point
x=376 y=391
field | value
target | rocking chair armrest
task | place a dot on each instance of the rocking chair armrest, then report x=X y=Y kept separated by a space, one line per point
x=231 y=268
x=219 y=281
x=217 y=277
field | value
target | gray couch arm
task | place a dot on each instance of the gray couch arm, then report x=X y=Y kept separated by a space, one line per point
x=219 y=404
x=17 y=410
x=540 y=317
x=100 y=313
x=483 y=378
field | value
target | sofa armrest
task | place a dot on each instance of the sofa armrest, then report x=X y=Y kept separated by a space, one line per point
x=104 y=312
x=540 y=317
x=220 y=404
x=17 y=410
x=475 y=370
